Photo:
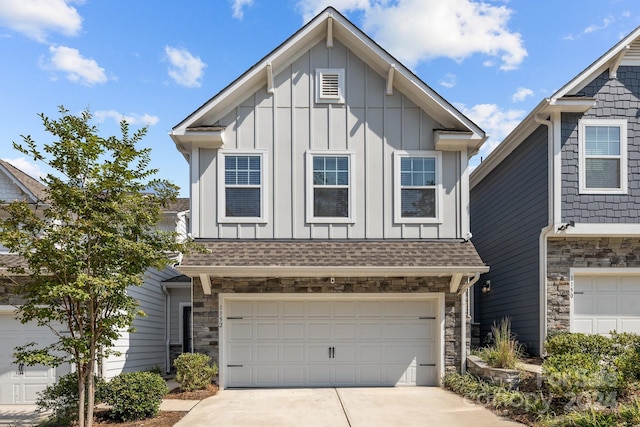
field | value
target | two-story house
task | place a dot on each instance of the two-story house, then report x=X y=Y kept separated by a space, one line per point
x=160 y=336
x=330 y=186
x=555 y=209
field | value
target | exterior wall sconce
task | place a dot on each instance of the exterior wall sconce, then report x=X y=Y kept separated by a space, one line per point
x=486 y=287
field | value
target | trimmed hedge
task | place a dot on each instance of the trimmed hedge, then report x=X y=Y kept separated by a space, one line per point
x=135 y=395
x=194 y=371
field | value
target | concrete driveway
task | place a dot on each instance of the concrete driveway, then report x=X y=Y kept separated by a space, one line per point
x=341 y=407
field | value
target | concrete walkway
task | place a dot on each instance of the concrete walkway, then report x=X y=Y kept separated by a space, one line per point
x=343 y=407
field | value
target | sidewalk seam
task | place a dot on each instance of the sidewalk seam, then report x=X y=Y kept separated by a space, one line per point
x=344 y=409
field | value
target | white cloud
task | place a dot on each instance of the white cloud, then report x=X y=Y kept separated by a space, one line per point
x=449 y=80
x=131 y=118
x=521 y=94
x=30 y=168
x=37 y=18
x=497 y=123
x=418 y=30
x=77 y=68
x=238 y=7
x=186 y=69
x=593 y=28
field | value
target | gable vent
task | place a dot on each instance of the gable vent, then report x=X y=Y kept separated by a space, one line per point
x=632 y=55
x=330 y=85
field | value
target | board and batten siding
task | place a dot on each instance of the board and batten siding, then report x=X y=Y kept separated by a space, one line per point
x=146 y=347
x=617 y=98
x=509 y=208
x=289 y=122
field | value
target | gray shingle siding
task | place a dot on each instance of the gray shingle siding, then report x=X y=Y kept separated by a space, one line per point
x=509 y=207
x=617 y=99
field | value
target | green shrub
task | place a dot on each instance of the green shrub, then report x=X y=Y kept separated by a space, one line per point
x=61 y=399
x=566 y=342
x=134 y=395
x=194 y=371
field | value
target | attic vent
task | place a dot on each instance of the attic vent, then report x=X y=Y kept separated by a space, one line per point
x=330 y=85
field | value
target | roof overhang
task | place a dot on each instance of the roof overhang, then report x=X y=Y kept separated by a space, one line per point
x=453 y=140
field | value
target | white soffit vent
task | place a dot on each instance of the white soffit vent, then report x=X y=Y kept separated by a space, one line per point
x=330 y=85
x=632 y=55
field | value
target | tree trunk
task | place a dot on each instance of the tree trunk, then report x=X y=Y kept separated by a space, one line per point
x=81 y=390
x=92 y=390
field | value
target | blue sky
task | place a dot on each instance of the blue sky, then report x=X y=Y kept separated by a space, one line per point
x=155 y=62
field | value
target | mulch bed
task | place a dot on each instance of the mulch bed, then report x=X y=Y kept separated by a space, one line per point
x=176 y=393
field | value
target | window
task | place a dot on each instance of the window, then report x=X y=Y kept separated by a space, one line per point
x=330 y=85
x=603 y=156
x=241 y=197
x=417 y=191
x=330 y=193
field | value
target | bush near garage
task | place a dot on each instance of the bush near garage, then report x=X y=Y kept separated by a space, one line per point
x=61 y=398
x=194 y=371
x=134 y=395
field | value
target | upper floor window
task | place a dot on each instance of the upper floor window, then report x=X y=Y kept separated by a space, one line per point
x=330 y=85
x=417 y=186
x=603 y=156
x=330 y=192
x=242 y=191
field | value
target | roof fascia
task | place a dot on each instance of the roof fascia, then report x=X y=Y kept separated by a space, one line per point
x=327 y=271
x=606 y=61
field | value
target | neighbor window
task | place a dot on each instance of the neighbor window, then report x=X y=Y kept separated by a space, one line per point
x=330 y=190
x=603 y=156
x=417 y=186
x=241 y=196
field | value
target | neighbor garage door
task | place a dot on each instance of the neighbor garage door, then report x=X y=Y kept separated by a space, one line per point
x=273 y=343
x=20 y=384
x=605 y=303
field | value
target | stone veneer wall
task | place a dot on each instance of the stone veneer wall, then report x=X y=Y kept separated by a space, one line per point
x=205 y=307
x=580 y=252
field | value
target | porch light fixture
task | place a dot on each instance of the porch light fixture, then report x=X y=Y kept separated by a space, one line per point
x=486 y=287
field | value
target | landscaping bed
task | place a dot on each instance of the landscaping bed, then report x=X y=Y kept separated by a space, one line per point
x=589 y=380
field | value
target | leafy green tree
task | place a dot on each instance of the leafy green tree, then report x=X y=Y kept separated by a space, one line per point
x=92 y=238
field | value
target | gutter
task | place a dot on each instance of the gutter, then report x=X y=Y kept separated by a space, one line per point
x=167 y=328
x=544 y=233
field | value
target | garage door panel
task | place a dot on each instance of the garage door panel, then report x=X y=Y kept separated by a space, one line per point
x=268 y=309
x=331 y=343
x=602 y=304
x=241 y=309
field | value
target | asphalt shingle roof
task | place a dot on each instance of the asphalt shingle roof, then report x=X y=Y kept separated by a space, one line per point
x=38 y=189
x=336 y=253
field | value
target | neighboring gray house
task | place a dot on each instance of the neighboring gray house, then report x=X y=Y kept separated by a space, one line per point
x=165 y=297
x=555 y=208
x=330 y=185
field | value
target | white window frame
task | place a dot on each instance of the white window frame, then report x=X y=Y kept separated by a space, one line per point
x=397 y=187
x=339 y=98
x=222 y=202
x=310 y=187
x=582 y=170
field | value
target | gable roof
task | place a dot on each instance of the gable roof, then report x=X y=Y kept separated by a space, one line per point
x=33 y=189
x=201 y=125
x=625 y=52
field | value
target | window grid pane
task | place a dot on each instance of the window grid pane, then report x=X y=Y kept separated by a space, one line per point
x=417 y=187
x=331 y=186
x=242 y=170
x=417 y=171
x=602 y=157
x=331 y=171
x=243 y=178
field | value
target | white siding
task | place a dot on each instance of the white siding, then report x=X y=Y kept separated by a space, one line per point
x=290 y=122
x=146 y=347
x=178 y=296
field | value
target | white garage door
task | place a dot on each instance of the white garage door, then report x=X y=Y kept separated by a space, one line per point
x=20 y=384
x=605 y=303
x=298 y=343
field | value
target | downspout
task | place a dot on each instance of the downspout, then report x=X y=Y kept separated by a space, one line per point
x=167 y=326
x=464 y=293
x=544 y=232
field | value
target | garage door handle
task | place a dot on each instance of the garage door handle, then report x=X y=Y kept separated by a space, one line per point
x=578 y=293
x=21 y=369
x=428 y=318
x=235 y=366
x=427 y=364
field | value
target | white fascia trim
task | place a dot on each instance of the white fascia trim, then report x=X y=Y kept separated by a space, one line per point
x=194 y=168
x=605 y=229
x=326 y=271
x=8 y=309
x=603 y=271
